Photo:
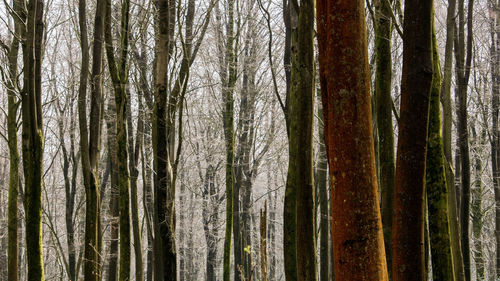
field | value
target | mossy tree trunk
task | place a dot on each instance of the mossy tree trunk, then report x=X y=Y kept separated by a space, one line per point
x=228 y=71
x=435 y=182
x=408 y=219
x=445 y=96
x=345 y=87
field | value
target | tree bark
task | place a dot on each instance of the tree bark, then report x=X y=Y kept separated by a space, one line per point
x=383 y=88
x=458 y=265
x=408 y=220
x=90 y=140
x=436 y=188
x=463 y=57
x=358 y=248
x=12 y=130
x=32 y=136
x=300 y=167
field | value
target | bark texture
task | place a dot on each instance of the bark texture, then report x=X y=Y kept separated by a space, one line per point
x=408 y=220
x=357 y=226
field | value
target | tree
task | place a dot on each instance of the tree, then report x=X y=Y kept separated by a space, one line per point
x=165 y=256
x=300 y=166
x=12 y=130
x=458 y=264
x=90 y=138
x=408 y=220
x=383 y=87
x=228 y=73
x=463 y=58
x=119 y=76
x=358 y=248
x=32 y=135
x=435 y=181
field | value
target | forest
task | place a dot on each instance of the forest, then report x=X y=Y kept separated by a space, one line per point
x=250 y=140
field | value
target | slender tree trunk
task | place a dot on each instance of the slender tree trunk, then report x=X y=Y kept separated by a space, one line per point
x=359 y=248
x=90 y=139
x=113 y=190
x=32 y=137
x=300 y=167
x=289 y=215
x=463 y=57
x=408 y=220
x=458 y=266
x=165 y=264
x=13 y=104
x=228 y=74
x=383 y=87
x=263 y=243
x=436 y=188
x=476 y=208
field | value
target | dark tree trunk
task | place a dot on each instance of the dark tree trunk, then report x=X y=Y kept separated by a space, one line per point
x=408 y=220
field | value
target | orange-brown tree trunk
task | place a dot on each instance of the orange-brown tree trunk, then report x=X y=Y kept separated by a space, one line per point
x=345 y=86
x=408 y=221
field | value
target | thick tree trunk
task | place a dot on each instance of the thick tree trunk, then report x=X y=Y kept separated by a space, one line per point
x=436 y=188
x=408 y=221
x=359 y=248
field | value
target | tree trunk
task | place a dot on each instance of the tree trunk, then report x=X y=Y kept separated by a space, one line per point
x=476 y=208
x=359 y=248
x=436 y=188
x=463 y=57
x=495 y=141
x=32 y=136
x=228 y=78
x=458 y=266
x=164 y=250
x=408 y=220
x=263 y=243
x=12 y=130
x=90 y=139
x=383 y=87
x=300 y=167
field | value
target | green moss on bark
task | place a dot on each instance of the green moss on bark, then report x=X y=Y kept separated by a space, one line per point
x=436 y=188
